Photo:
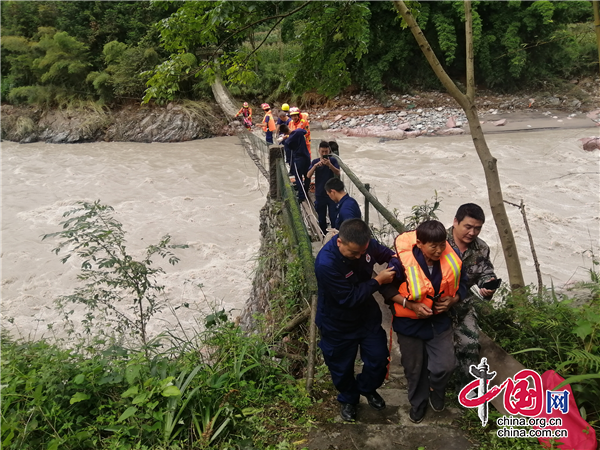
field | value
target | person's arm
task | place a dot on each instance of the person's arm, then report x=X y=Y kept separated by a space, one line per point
x=313 y=167
x=487 y=273
x=420 y=309
x=346 y=293
x=388 y=291
x=380 y=252
x=292 y=139
x=333 y=165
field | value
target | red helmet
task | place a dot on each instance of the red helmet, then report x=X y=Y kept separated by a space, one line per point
x=265 y=106
x=294 y=110
x=245 y=104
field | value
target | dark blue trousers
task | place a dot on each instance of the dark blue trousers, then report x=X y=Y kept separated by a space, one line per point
x=339 y=353
x=300 y=169
x=323 y=205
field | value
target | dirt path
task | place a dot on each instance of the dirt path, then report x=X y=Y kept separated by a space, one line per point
x=389 y=429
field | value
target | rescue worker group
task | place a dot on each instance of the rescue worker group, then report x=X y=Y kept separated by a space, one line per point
x=433 y=280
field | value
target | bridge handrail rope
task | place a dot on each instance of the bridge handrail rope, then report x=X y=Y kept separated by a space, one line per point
x=293 y=217
x=371 y=199
x=257 y=149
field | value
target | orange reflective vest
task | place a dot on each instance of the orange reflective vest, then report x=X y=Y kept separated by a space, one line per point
x=268 y=124
x=305 y=125
x=247 y=113
x=417 y=286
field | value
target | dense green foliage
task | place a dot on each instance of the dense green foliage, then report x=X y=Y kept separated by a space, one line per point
x=171 y=50
x=228 y=393
x=56 y=52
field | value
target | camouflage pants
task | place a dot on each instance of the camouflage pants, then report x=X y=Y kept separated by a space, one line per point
x=466 y=341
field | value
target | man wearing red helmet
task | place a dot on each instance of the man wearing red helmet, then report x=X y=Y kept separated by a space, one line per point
x=246 y=112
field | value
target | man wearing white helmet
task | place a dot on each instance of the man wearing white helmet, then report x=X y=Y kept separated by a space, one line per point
x=300 y=120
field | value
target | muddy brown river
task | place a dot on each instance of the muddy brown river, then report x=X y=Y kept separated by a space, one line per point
x=208 y=194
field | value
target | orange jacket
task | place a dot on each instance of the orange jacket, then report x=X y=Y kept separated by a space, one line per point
x=417 y=286
x=305 y=125
x=268 y=124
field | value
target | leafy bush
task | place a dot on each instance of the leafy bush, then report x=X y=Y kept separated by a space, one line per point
x=272 y=80
x=111 y=275
x=225 y=395
x=552 y=334
x=46 y=70
x=122 y=75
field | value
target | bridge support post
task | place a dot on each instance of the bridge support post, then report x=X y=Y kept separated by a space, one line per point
x=275 y=152
x=368 y=188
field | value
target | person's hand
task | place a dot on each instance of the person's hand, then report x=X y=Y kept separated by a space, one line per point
x=445 y=303
x=385 y=276
x=421 y=310
x=486 y=292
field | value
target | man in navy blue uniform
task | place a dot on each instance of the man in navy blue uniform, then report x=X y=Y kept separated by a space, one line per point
x=324 y=168
x=347 y=207
x=300 y=158
x=349 y=317
x=283 y=119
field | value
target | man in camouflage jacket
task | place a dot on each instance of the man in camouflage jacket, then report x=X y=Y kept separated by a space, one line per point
x=475 y=255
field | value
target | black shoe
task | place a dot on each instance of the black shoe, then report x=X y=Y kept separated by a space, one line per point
x=348 y=412
x=436 y=401
x=375 y=401
x=417 y=415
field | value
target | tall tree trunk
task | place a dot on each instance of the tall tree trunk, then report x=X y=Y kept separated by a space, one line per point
x=596 y=7
x=470 y=52
x=490 y=169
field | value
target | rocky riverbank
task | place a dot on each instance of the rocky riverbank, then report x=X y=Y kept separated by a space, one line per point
x=132 y=123
x=437 y=113
x=354 y=114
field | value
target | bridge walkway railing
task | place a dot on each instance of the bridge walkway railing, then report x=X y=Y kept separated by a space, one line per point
x=300 y=219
